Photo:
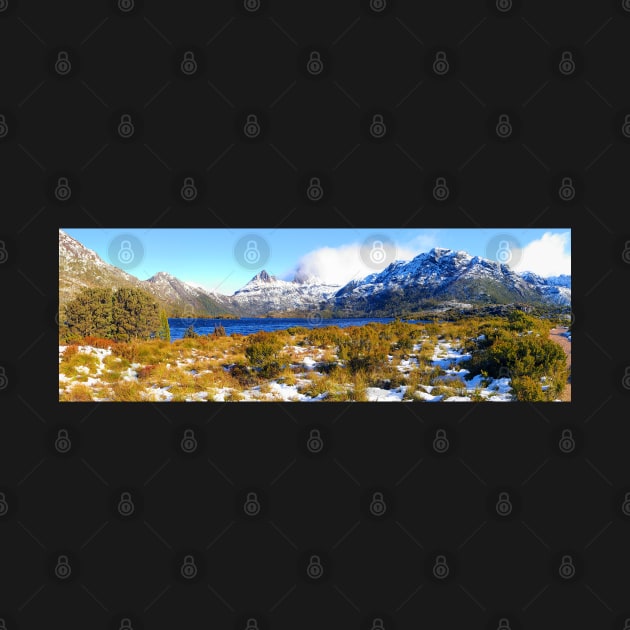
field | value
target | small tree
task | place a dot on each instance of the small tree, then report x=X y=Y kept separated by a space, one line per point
x=190 y=332
x=165 y=330
x=263 y=353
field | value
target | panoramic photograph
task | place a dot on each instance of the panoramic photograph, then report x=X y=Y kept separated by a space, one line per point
x=314 y=315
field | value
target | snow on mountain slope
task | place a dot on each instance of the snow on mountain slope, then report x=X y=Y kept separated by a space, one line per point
x=265 y=293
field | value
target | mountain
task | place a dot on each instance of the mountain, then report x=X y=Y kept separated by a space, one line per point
x=445 y=275
x=441 y=276
x=80 y=267
x=265 y=294
x=554 y=289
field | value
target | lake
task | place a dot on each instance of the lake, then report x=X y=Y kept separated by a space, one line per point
x=249 y=325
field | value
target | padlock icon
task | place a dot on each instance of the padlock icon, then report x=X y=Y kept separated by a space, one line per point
x=63 y=192
x=126 y=506
x=626 y=378
x=315 y=65
x=504 y=624
x=440 y=568
x=126 y=253
x=126 y=5
x=378 y=507
x=567 y=189
x=626 y=623
x=314 y=191
x=63 y=570
x=567 y=441
x=189 y=63
x=567 y=568
x=378 y=129
x=567 y=63
x=63 y=443
x=440 y=190
x=126 y=128
x=625 y=506
x=378 y=253
x=251 y=5
x=4 y=128
x=314 y=443
x=377 y=624
x=626 y=5
x=125 y=624
x=378 y=5
x=440 y=442
x=504 y=505
x=4 y=506
x=625 y=255
x=4 y=254
x=440 y=63
x=188 y=443
x=251 y=506
x=504 y=252
x=188 y=569
x=504 y=5
x=504 y=126
x=251 y=253
x=3 y=624
x=63 y=66
x=252 y=624
x=252 y=126
x=188 y=191
x=625 y=128
x=315 y=570
x=4 y=379
x=4 y=5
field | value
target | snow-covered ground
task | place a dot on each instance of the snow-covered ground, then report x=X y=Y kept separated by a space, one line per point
x=454 y=384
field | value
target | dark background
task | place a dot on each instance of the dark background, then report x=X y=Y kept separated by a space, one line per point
x=503 y=572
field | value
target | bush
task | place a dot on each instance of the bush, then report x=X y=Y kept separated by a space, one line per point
x=263 y=353
x=190 y=332
x=219 y=331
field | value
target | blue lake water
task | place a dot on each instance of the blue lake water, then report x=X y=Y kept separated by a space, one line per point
x=249 y=325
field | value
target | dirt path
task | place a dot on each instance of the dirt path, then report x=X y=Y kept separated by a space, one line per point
x=557 y=335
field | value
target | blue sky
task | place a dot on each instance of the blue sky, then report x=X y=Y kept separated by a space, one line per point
x=207 y=257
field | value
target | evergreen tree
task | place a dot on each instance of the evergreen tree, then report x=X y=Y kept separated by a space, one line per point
x=165 y=329
x=190 y=333
x=89 y=314
x=135 y=315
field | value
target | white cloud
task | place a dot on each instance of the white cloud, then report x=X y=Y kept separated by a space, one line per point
x=339 y=265
x=549 y=255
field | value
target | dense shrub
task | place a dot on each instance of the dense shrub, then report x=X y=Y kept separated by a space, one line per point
x=263 y=353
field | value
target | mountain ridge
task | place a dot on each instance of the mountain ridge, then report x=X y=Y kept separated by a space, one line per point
x=441 y=274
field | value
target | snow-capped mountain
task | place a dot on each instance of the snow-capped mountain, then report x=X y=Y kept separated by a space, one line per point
x=440 y=275
x=265 y=293
x=444 y=274
x=555 y=289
